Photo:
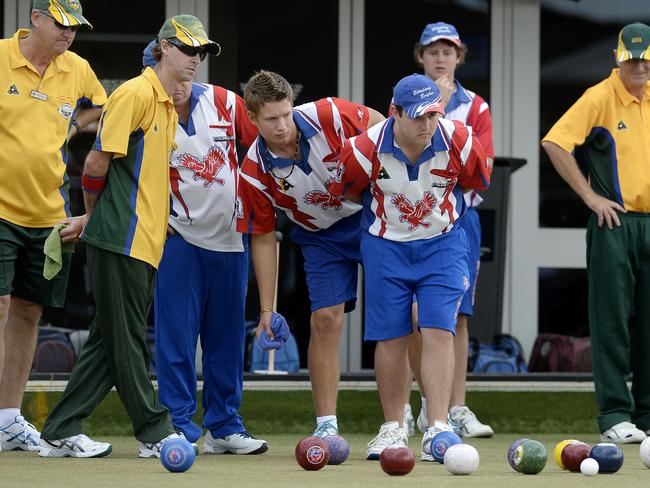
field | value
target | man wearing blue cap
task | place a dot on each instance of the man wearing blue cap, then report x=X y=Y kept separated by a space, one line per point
x=412 y=170
x=607 y=131
x=201 y=285
x=439 y=53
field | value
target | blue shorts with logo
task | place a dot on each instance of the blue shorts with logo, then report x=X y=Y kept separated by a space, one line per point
x=471 y=224
x=332 y=259
x=434 y=270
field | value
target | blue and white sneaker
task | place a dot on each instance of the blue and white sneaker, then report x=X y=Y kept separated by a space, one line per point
x=465 y=423
x=19 y=435
x=239 y=443
x=77 y=446
x=153 y=449
x=326 y=428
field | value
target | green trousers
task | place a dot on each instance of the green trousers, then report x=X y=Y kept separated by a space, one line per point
x=115 y=354
x=618 y=270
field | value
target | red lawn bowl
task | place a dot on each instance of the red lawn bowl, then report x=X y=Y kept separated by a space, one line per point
x=397 y=461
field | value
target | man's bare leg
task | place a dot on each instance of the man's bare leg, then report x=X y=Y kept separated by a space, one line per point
x=323 y=357
x=20 y=333
x=460 y=369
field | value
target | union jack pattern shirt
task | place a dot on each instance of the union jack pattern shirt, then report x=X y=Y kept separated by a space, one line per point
x=301 y=188
x=472 y=110
x=204 y=169
x=403 y=201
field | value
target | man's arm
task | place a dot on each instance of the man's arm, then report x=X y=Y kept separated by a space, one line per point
x=263 y=250
x=93 y=179
x=567 y=167
x=84 y=117
x=374 y=117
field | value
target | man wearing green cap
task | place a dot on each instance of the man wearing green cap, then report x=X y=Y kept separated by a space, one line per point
x=49 y=94
x=126 y=223
x=608 y=130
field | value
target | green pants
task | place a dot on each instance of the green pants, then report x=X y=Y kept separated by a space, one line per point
x=115 y=354
x=618 y=270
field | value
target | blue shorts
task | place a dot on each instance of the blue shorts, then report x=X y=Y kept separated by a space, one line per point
x=435 y=270
x=471 y=224
x=332 y=259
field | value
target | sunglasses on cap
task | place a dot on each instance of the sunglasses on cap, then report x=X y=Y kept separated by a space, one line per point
x=190 y=51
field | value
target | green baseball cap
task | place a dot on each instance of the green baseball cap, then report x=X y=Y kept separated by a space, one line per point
x=633 y=42
x=65 y=12
x=189 y=30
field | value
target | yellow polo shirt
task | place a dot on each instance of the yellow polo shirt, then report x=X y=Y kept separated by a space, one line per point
x=35 y=117
x=609 y=129
x=138 y=125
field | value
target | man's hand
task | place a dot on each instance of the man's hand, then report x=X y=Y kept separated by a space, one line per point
x=446 y=86
x=73 y=228
x=272 y=331
x=605 y=210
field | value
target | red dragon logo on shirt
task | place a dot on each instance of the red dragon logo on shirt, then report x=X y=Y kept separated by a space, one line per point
x=325 y=199
x=414 y=215
x=207 y=168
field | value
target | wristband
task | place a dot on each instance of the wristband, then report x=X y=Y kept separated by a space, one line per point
x=93 y=184
x=77 y=126
x=266 y=309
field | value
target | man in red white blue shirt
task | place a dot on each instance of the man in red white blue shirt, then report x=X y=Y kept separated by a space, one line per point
x=203 y=275
x=289 y=167
x=439 y=53
x=412 y=171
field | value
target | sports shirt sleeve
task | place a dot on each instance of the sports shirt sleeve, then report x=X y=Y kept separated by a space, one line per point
x=122 y=115
x=353 y=172
x=480 y=119
x=469 y=159
x=244 y=128
x=574 y=126
x=354 y=117
x=94 y=95
x=255 y=212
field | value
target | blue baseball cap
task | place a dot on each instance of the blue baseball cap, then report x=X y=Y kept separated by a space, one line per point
x=147 y=55
x=439 y=31
x=418 y=95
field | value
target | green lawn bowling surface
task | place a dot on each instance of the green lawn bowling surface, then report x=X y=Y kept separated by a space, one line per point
x=278 y=468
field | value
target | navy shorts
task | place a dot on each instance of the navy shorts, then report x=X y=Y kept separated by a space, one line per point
x=435 y=270
x=471 y=224
x=332 y=259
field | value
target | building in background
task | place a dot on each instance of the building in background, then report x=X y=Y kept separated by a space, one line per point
x=532 y=58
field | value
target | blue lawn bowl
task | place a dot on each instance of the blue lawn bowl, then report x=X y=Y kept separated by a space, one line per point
x=339 y=449
x=609 y=457
x=441 y=442
x=177 y=455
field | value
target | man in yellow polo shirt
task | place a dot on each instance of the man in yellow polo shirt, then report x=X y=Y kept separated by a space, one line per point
x=47 y=94
x=608 y=131
x=126 y=192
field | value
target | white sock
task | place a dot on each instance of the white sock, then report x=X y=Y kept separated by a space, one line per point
x=424 y=402
x=8 y=415
x=327 y=418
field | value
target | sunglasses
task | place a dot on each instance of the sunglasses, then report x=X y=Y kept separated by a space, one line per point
x=73 y=28
x=190 y=51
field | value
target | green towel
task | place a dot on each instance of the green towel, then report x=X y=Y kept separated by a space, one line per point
x=53 y=250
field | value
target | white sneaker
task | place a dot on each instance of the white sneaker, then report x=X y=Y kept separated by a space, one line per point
x=409 y=421
x=467 y=423
x=425 y=450
x=325 y=428
x=20 y=435
x=239 y=443
x=423 y=421
x=623 y=433
x=390 y=434
x=78 y=446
